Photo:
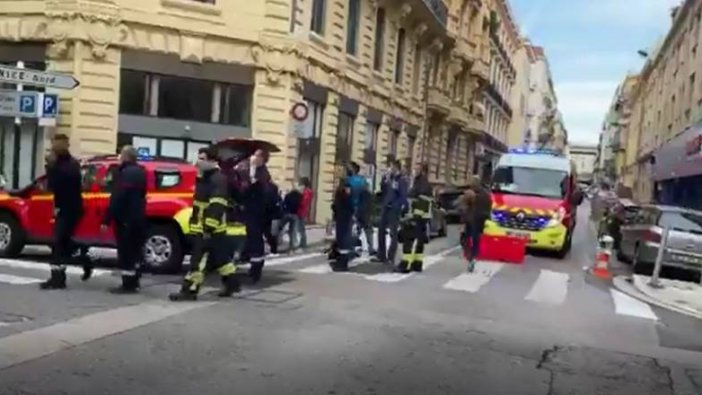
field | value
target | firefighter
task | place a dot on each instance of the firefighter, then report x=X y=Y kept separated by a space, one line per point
x=236 y=228
x=211 y=248
x=127 y=210
x=414 y=228
x=64 y=180
x=255 y=210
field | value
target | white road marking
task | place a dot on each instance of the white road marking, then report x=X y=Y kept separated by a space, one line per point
x=626 y=305
x=397 y=277
x=37 y=343
x=550 y=288
x=18 y=280
x=33 y=265
x=472 y=282
x=324 y=268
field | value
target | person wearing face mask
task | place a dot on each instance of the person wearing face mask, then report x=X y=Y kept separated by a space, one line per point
x=208 y=225
x=127 y=213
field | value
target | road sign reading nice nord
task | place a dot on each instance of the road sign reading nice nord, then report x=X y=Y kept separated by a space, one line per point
x=14 y=75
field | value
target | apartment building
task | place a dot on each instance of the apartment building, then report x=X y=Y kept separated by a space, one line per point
x=611 y=158
x=170 y=76
x=504 y=41
x=519 y=133
x=584 y=158
x=666 y=113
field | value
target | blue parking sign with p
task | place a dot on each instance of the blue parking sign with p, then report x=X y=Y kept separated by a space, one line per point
x=28 y=104
x=50 y=106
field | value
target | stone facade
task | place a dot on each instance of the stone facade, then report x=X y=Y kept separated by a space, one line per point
x=367 y=102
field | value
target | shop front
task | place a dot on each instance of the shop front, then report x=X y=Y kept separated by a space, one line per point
x=677 y=170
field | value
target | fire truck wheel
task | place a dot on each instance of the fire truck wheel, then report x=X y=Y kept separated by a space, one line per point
x=12 y=236
x=563 y=252
x=163 y=249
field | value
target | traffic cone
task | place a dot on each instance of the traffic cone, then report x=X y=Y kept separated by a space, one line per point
x=604 y=254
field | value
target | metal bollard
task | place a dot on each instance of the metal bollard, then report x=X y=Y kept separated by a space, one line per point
x=655 y=278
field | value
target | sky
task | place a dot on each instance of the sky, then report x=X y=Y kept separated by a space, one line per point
x=591 y=45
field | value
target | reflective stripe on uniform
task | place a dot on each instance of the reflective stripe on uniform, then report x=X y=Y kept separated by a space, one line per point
x=227 y=270
x=200 y=204
x=58 y=267
x=236 y=230
x=219 y=200
x=128 y=273
x=212 y=223
x=418 y=257
x=257 y=259
x=407 y=257
x=344 y=252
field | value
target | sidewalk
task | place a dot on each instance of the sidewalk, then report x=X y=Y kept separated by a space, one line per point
x=679 y=296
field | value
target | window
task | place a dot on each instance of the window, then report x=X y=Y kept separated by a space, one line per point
x=411 y=143
x=167 y=178
x=371 y=138
x=344 y=137
x=172 y=148
x=400 y=57
x=88 y=174
x=318 y=11
x=134 y=92
x=352 y=26
x=417 y=68
x=379 y=39
x=235 y=105
x=186 y=99
x=394 y=138
x=530 y=181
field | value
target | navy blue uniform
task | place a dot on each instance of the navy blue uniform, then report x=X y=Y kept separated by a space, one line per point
x=65 y=182
x=343 y=211
x=127 y=210
x=255 y=210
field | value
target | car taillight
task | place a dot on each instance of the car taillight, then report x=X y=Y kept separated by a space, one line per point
x=652 y=236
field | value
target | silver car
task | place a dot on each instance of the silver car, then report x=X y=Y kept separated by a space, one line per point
x=641 y=238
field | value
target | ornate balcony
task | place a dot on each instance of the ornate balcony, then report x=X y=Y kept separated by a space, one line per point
x=481 y=69
x=438 y=101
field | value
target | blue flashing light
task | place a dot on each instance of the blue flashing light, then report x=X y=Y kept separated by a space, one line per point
x=144 y=158
x=532 y=151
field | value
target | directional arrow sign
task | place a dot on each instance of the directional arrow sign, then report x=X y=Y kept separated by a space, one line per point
x=14 y=75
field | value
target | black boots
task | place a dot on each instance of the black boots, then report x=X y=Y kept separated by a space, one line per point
x=256 y=271
x=130 y=285
x=403 y=267
x=417 y=266
x=341 y=264
x=186 y=294
x=56 y=281
x=230 y=286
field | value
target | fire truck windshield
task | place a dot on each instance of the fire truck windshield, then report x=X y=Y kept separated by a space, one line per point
x=530 y=181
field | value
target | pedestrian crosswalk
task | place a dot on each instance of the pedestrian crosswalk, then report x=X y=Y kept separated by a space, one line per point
x=443 y=271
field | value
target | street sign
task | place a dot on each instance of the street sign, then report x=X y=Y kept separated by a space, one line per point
x=50 y=105
x=15 y=75
x=19 y=104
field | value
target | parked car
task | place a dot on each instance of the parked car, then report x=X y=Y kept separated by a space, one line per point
x=641 y=238
x=26 y=215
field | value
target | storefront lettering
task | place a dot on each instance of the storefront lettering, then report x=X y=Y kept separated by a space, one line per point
x=694 y=146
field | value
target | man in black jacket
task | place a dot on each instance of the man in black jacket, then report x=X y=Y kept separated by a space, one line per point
x=256 y=212
x=65 y=181
x=127 y=210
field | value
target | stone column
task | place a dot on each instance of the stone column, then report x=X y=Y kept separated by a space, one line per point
x=89 y=113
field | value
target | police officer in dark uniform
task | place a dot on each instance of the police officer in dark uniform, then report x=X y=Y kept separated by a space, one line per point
x=343 y=212
x=415 y=232
x=127 y=212
x=65 y=181
x=211 y=248
x=255 y=198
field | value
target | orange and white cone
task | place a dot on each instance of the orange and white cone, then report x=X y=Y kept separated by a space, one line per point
x=604 y=254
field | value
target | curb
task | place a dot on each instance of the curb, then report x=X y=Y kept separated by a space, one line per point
x=621 y=284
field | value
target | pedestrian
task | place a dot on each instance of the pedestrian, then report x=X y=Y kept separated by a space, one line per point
x=65 y=182
x=393 y=191
x=415 y=233
x=212 y=246
x=342 y=209
x=303 y=211
x=291 y=206
x=127 y=212
x=256 y=213
x=359 y=199
x=273 y=206
x=466 y=206
x=476 y=217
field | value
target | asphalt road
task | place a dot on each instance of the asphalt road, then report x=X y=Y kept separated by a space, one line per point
x=544 y=327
